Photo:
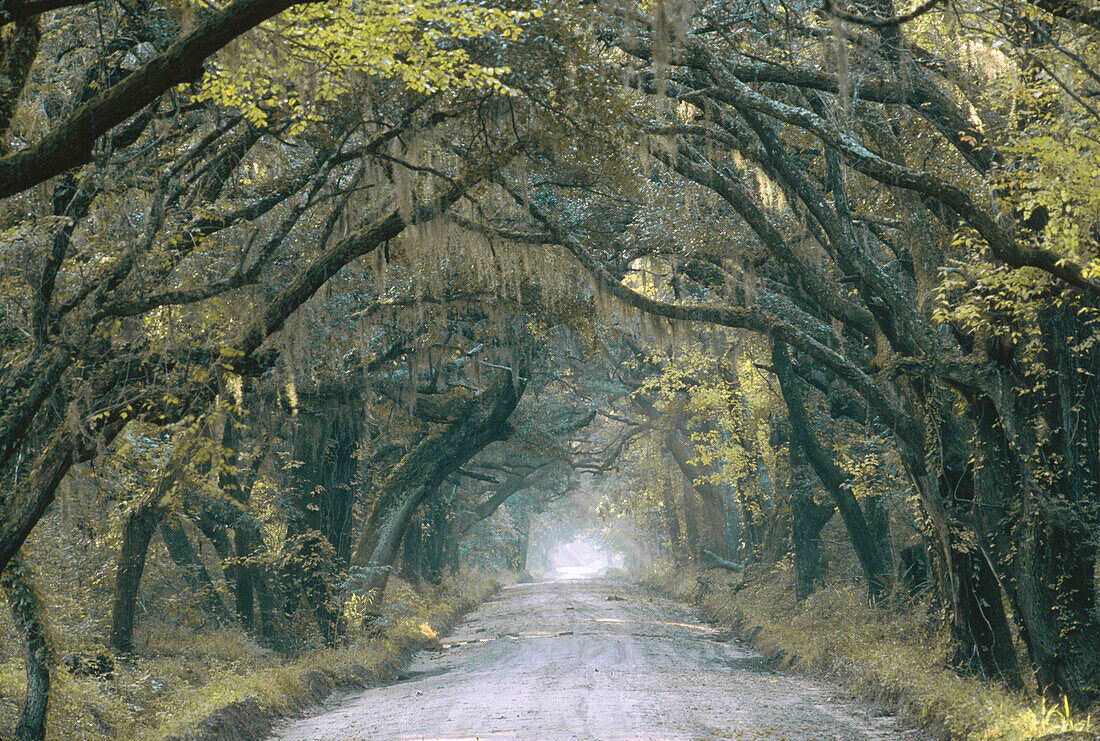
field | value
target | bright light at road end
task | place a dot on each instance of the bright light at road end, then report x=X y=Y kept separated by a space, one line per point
x=582 y=560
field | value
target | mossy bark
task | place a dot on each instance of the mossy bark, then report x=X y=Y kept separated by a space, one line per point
x=27 y=616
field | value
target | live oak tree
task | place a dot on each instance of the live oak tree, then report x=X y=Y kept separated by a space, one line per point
x=333 y=246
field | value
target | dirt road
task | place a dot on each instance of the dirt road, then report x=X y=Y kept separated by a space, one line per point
x=591 y=659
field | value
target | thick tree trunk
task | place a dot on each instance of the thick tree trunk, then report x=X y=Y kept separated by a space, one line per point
x=671 y=519
x=481 y=421
x=194 y=570
x=137 y=531
x=878 y=522
x=311 y=575
x=18 y=49
x=27 y=615
x=265 y=600
x=777 y=537
x=248 y=582
x=1048 y=552
x=411 y=566
x=875 y=567
x=712 y=530
x=756 y=530
x=218 y=535
x=1057 y=537
x=437 y=536
x=451 y=549
x=1055 y=584
x=243 y=591
x=808 y=518
x=324 y=445
x=691 y=518
x=138 y=527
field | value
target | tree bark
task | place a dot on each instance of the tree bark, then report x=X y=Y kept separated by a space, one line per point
x=671 y=519
x=325 y=440
x=808 y=518
x=194 y=570
x=27 y=615
x=876 y=572
x=1057 y=538
x=19 y=50
x=218 y=535
x=712 y=534
x=437 y=536
x=138 y=527
x=137 y=531
x=70 y=143
x=691 y=518
x=411 y=567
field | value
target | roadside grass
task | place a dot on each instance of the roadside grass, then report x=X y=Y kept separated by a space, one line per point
x=212 y=684
x=893 y=657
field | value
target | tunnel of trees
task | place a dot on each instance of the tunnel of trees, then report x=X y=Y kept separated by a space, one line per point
x=296 y=296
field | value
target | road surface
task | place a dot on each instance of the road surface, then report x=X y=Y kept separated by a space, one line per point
x=594 y=659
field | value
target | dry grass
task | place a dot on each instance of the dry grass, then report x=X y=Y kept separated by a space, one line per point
x=896 y=658
x=185 y=678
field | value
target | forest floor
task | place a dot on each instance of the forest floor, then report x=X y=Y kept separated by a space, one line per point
x=592 y=659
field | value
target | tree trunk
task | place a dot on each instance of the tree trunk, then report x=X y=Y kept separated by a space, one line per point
x=1055 y=582
x=412 y=550
x=243 y=592
x=712 y=533
x=986 y=647
x=325 y=444
x=194 y=570
x=520 y=547
x=775 y=543
x=691 y=518
x=483 y=420
x=218 y=535
x=27 y=615
x=878 y=522
x=137 y=531
x=138 y=526
x=248 y=581
x=671 y=521
x=808 y=518
x=451 y=548
x=437 y=536
x=875 y=568
x=1057 y=536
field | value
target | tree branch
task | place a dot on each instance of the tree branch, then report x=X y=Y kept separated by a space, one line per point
x=70 y=143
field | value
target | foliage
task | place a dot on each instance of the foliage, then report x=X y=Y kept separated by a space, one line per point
x=309 y=57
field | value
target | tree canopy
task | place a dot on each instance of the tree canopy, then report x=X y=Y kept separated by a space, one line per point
x=327 y=284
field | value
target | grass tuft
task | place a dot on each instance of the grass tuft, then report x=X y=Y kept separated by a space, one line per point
x=896 y=658
x=204 y=685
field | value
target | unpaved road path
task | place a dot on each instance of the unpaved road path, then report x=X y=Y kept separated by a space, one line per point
x=591 y=659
